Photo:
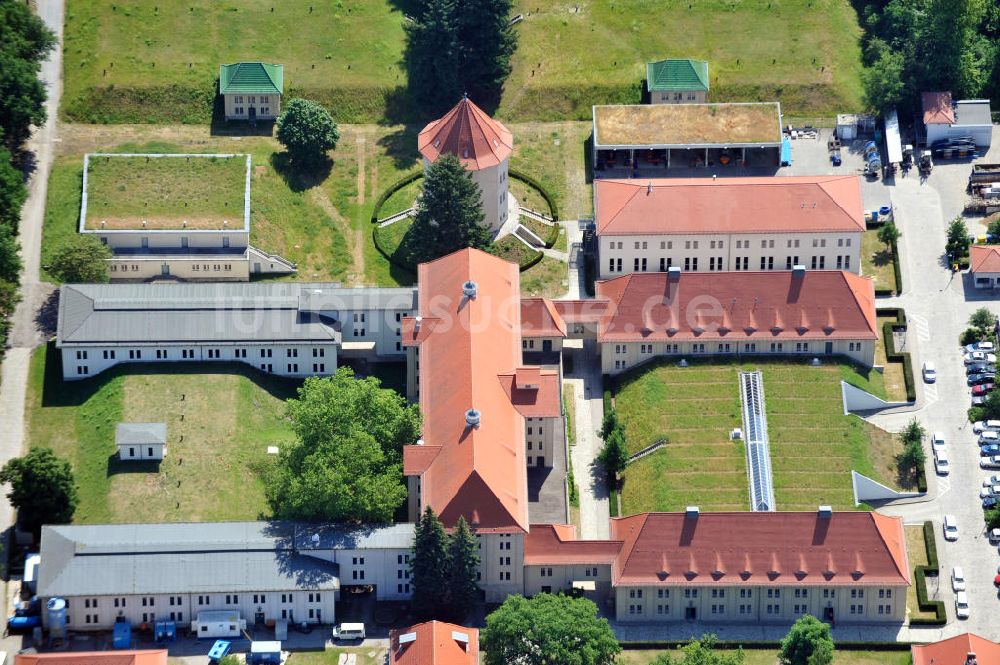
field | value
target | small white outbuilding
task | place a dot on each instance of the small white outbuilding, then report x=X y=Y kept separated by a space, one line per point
x=141 y=441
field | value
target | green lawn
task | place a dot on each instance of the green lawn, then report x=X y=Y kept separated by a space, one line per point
x=770 y=657
x=813 y=445
x=876 y=261
x=366 y=656
x=157 y=60
x=402 y=199
x=220 y=419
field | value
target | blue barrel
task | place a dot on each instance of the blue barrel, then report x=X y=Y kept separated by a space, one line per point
x=56 y=608
x=874 y=215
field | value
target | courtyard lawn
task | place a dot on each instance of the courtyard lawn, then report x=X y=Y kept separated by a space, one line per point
x=916 y=550
x=165 y=192
x=365 y=656
x=895 y=384
x=813 y=445
x=157 y=60
x=770 y=657
x=876 y=261
x=220 y=420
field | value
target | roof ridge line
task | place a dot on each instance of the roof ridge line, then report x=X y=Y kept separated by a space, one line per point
x=822 y=185
x=637 y=188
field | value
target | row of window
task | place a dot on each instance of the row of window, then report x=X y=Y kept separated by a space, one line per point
x=800 y=592
x=716 y=263
x=264 y=110
x=720 y=244
x=264 y=99
x=727 y=347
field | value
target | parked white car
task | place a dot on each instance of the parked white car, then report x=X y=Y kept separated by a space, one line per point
x=957 y=579
x=989 y=462
x=930 y=373
x=941 y=462
x=979 y=357
x=981 y=426
x=989 y=490
x=979 y=346
x=950 y=527
x=937 y=441
x=989 y=436
x=991 y=480
x=994 y=536
x=962 y=605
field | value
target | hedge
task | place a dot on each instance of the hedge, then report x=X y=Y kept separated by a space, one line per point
x=890 y=348
x=589 y=273
x=896 y=271
x=527 y=179
x=920 y=575
x=536 y=257
x=393 y=188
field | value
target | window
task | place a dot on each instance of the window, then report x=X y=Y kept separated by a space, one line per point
x=777 y=347
x=746 y=593
x=663 y=593
x=135 y=354
x=635 y=593
x=319 y=353
x=81 y=355
x=643 y=263
x=83 y=369
x=291 y=353
x=847 y=263
x=690 y=593
x=293 y=368
x=635 y=265
x=109 y=355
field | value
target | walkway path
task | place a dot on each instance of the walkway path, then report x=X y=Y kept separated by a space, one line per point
x=588 y=394
x=24 y=335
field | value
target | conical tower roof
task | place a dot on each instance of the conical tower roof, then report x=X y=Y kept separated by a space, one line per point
x=467 y=132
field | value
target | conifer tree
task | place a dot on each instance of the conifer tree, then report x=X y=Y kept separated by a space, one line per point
x=429 y=567
x=433 y=56
x=488 y=40
x=463 y=559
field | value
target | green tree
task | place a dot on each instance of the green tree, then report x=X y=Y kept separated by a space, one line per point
x=449 y=213
x=429 y=567
x=912 y=458
x=989 y=410
x=913 y=431
x=42 y=489
x=992 y=517
x=882 y=81
x=10 y=260
x=346 y=463
x=548 y=629
x=433 y=56
x=307 y=131
x=22 y=33
x=13 y=193
x=10 y=295
x=983 y=319
x=463 y=562
x=888 y=233
x=487 y=41
x=957 y=244
x=22 y=98
x=993 y=229
x=702 y=652
x=807 y=643
x=614 y=453
x=609 y=423
x=81 y=260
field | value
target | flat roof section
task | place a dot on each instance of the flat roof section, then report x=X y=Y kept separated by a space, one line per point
x=687 y=125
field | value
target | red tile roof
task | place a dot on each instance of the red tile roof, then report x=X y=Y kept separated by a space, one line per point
x=539 y=318
x=464 y=346
x=725 y=548
x=937 y=108
x=556 y=545
x=985 y=258
x=581 y=311
x=955 y=651
x=143 y=657
x=541 y=402
x=738 y=306
x=783 y=204
x=417 y=459
x=467 y=132
x=434 y=643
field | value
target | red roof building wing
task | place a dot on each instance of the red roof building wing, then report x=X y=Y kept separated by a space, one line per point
x=785 y=204
x=434 y=643
x=541 y=402
x=726 y=548
x=470 y=134
x=937 y=108
x=418 y=458
x=985 y=258
x=556 y=545
x=955 y=651
x=139 y=657
x=480 y=472
x=539 y=318
x=779 y=305
x=581 y=311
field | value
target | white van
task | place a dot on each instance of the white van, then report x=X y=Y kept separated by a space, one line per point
x=941 y=464
x=349 y=631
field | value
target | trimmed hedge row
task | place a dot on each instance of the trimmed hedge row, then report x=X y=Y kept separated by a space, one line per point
x=920 y=575
x=896 y=271
x=393 y=188
x=891 y=355
x=527 y=179
x=389 y=257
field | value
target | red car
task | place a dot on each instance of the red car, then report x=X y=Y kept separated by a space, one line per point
x=982 y=389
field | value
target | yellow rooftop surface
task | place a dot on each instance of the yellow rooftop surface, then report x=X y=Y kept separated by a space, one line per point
x=687 y=124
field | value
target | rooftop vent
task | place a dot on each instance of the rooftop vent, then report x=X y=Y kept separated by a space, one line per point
x=674 y=273
x=469 y=289
x=472 y=418
x=406 y=638
x=692 y=512
x=416 y=323
x=798 y=271
x=461 y=638
x=826 y=511
x=649 y=188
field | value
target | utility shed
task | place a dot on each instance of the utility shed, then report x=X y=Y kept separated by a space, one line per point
x=141 y=441
x=945 y=119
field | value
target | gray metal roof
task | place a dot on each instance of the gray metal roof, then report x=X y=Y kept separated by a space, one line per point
x=973 y=112
x=204 y=313
x=129 y=559
x=140 y=433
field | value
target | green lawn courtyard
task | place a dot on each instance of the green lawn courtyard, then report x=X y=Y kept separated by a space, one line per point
x=157 y=60
x=220 y=420
x=813 y=445
x=876 y=261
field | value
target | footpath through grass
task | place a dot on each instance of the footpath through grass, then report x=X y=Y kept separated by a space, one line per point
x=813 y=445
x=220 y=419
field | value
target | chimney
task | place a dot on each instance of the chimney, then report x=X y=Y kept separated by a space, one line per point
x=798 y=271
x=461 y=638
x=407 y=638
x=416 y=323
x=691 y=512
x=420 y=442
x=472 y=418
x=673 y=273
x=825 y=512
x=649 y=188
x=469 y=289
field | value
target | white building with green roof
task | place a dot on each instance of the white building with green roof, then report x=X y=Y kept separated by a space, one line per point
x=677 y=81
x=252 y=90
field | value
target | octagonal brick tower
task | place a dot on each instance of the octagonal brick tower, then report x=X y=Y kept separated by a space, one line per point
x=482 y=144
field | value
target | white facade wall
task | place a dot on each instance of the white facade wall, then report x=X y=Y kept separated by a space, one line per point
x=266 y=107
x=129 y=452
x=388 y=570
x=624 y=254
x=139 y=268
x=283 y=359
x=501 y=565
x=540 y=436
x=986 y=280
x=493 y=186
x=100 y=612
x=537 y=344
x=553 y=579
x=681 y=97
x=179 y=239
x=757 y=604
x=616 y=357
x=381 y=326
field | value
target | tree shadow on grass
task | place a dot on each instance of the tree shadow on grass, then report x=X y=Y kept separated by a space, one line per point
x=881 y=258
x=299 y=178
x=401 y=146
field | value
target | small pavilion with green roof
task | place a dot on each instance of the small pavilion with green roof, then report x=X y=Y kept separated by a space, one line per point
x=252 y=90
x=677 y=81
